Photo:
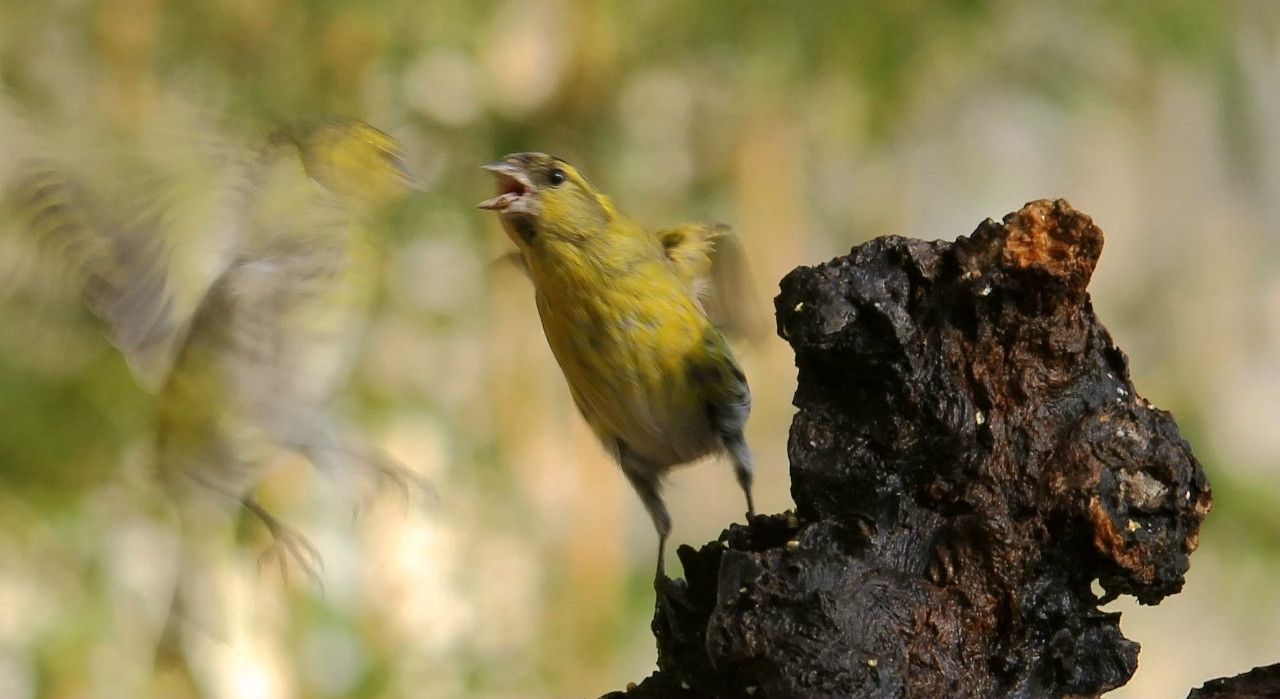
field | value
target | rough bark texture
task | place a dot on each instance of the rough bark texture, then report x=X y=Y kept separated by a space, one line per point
x=1258 y=683
x=968 y=458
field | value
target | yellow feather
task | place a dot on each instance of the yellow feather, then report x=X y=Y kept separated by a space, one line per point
x=709 y=257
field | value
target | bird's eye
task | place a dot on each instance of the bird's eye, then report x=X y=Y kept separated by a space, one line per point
x=556 y=176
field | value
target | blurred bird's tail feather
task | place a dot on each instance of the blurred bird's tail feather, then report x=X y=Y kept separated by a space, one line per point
x=198 y=628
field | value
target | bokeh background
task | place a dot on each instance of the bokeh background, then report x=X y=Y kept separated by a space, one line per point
x=809 y=127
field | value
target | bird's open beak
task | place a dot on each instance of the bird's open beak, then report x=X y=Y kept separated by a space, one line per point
x=513 y=185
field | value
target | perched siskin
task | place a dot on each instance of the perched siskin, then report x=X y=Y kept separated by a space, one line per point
x=621 y=310
x=236 y=281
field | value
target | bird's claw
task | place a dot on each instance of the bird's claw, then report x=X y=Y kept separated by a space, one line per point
x=674 y=591
x=288 y=543
x=383 y=469
x=406 y=480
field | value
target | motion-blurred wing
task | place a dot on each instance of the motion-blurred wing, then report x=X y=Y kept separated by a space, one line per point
x=145 y=224
x=279 y=326
x=711 y=259
x=269 y=346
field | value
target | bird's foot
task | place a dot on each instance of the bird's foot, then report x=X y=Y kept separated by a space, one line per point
x=672 y=592
x=288 y=543
x=388 y=470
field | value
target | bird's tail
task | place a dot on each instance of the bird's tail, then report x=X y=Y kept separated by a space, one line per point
x=198 y=630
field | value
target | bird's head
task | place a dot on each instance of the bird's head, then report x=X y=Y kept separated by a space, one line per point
x=542 y=196
x=350 y=158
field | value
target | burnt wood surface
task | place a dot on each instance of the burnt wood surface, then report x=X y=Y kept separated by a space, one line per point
x=1258 y=683
x=969 y=463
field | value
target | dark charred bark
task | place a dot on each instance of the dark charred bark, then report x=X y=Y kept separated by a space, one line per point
x=969 y=457
x=1258 y=683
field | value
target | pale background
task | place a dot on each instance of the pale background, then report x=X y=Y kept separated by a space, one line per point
x=807 y=130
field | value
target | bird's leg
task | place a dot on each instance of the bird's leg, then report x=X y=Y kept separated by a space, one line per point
x=662 y=554
x=287 y=543
x=670 y=593
x=644 y=480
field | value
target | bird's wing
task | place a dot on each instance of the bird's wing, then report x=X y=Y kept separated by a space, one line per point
x=142 y=223
x=283 y=318
x=712 y=261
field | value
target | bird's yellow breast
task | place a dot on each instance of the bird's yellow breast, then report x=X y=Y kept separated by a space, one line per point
x=624 y=338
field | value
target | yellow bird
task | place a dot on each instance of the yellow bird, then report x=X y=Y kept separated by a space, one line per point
x=272 y=340
x=236 y=281
x=621 y=309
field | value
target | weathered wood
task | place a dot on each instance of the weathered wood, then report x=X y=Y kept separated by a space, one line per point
x=968 y=458
x=1258 y=683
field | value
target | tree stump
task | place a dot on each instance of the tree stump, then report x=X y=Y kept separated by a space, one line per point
x=968 y=460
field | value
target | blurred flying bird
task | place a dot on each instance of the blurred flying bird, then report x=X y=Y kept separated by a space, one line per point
x=625 y=312
x=234 y=280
